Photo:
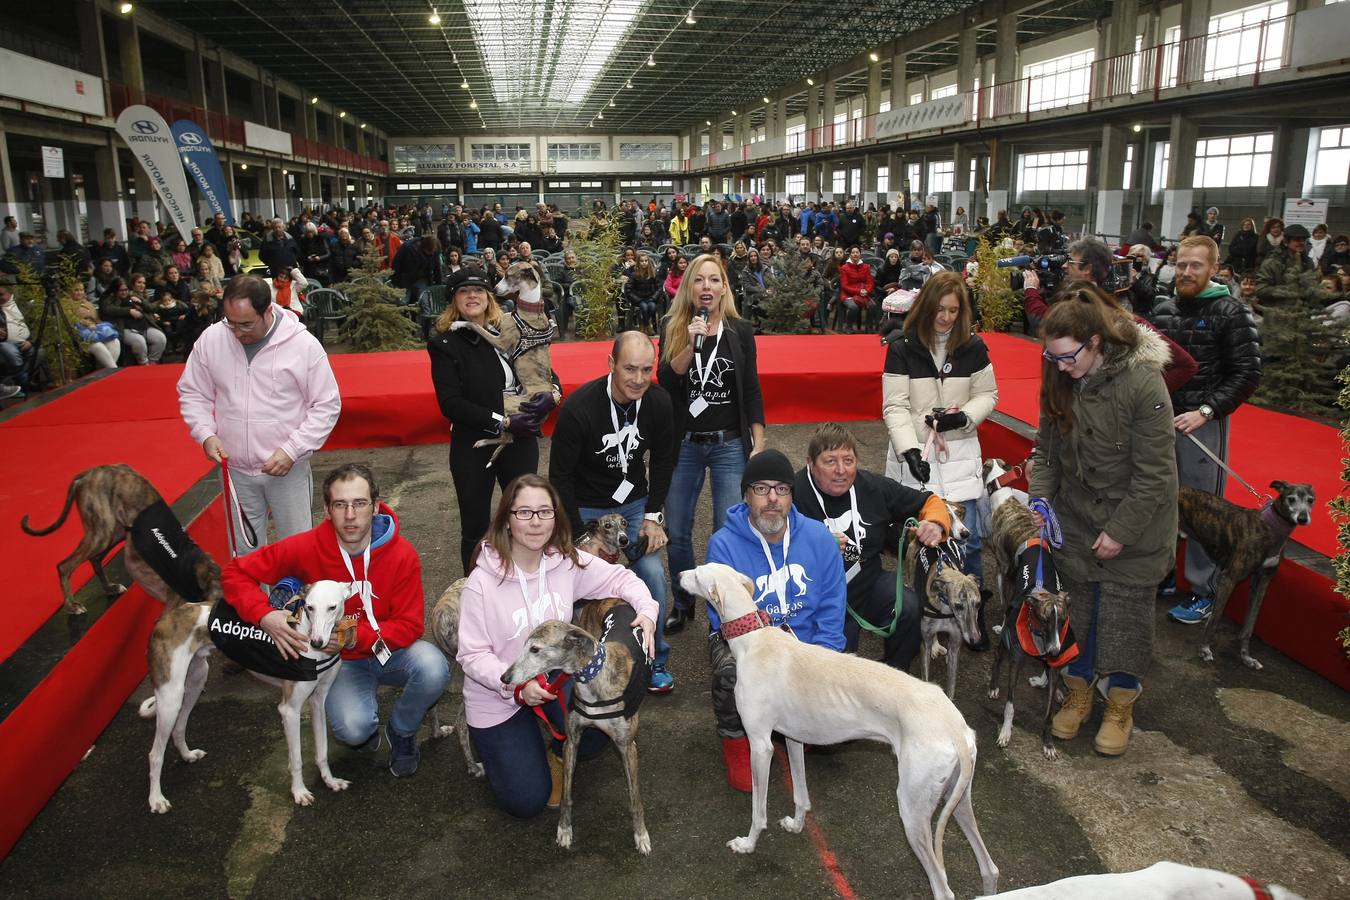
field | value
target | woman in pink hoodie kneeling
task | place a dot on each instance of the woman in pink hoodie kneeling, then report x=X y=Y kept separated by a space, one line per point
x=527 y=572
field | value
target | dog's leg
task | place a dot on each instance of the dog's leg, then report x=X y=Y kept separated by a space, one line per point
x=465 y=743
x=293 y=697
x=1256 y=594
x=318 y=718
x=574 y=727
x=629 y=756
x=1223 y=589
x=168 y=701
x=953 y=658
x=110 y=588
x=198 y=668
x=1047 y=741
x=999 y=650
x=800 y=798
x=929 y=642
x=917 y=802
x=761 y=758
x=1005 y=730
x=965 y=817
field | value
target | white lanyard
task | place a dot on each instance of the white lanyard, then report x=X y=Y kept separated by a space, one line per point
x=543 y=589
x=621 y=435
x=366 y=589
x=701 y=373
x=779 y=584
x=856 y=524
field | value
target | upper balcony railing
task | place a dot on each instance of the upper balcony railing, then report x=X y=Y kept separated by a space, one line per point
x=226 y=129
x=1246 y=53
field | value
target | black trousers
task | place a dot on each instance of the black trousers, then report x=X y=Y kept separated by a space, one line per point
x=474 y=482
x=877 y=606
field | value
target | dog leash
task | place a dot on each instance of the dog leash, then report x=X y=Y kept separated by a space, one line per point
x=231 y=501
x=889 y=630
x=554 y=687
x=1264 y=498
x=1050 y=530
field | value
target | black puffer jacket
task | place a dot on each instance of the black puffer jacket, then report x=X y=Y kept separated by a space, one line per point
x=1221 y=334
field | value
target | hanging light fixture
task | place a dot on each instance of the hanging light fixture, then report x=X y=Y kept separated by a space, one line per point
x=473 y=104
x=464 y=84
x=313 y=100
x=651 y=60
x=689 y=19
x=811 y=81
x=767 y=100
x=611 y=103
x=125 y=9
x=873 y=57
x=435 y=17
x=342 y=115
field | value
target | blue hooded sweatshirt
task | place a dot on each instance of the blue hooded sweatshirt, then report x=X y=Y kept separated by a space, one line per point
x=816 y=592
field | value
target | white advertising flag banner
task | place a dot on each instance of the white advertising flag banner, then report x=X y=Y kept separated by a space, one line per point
x=152 y=143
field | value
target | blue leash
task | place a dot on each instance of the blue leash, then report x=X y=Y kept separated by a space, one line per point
x=1050 y=533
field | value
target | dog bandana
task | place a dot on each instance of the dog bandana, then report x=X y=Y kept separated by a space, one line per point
x=621 y=622
x=159 y=538
x=252 y=648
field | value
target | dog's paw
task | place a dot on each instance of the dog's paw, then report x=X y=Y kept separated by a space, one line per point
x=337 y=784
x=644 y=842
x=791 y=824
x=993 y=693
x=1251 y=662
x=303 y=797
x=116 y=590
x=938 y=650
x=160 y=804
x=445 y=731
x=458 y=324
x=1206 y=654
x=565 y=837
x=1050 y=751
x=742 y=845
x=193 y=755
x=75 y=609
x=1038 y=681
x=476 y=769
x=1004 y=736
x=997 y=630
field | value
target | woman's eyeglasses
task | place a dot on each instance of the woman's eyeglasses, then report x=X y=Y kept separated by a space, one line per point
x=1067 y=358
x=525 y=514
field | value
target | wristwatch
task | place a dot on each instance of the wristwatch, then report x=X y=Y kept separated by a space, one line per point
x=1207 y=411
x=658 y=517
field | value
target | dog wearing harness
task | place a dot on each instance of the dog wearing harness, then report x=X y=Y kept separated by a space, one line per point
x=1036 y=608
x=603 y=655
x=951 y=603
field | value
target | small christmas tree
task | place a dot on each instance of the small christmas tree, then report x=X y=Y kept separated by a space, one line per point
x=375 y=321
x=1301 y=355
x=597 y=248
x=995 y=300
x=791 y=290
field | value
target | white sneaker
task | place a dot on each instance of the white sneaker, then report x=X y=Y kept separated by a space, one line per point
x=8 y=391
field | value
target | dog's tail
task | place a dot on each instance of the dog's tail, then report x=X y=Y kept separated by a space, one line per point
x=61 y=520
x=147 y=710
x=965 y=763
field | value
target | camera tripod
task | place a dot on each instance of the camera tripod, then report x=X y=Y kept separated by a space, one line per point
x=51 y=304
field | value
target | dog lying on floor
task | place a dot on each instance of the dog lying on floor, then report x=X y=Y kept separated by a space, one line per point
x=117 y=503
x=610 y=675
x=1160 y=881
x=813 y=695
x=1244 y=543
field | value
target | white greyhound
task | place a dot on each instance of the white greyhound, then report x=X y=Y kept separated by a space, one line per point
x=179 y=647
x=813 y=695
x=1160 y=881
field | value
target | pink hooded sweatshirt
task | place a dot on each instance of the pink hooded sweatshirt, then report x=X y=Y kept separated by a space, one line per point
x=287 y=398
x=495 y=619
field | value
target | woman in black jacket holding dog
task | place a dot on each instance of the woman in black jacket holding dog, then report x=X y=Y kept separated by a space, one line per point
x=470 y=377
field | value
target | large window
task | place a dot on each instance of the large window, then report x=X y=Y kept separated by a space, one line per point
x=855 y=182
x=796 y=138
x=840 y=128
x=840 y=180
x=410 y=159
x=913 y=172
x=941 y=176
x=1062 y=81
x=574 y=151
x=939 y=93
x=1333 y=156
x=663 y=151
x=1162 y=162
x=1242 y=161
x=885 y=106
x=1127 y=173
x=487 y=152
x=1237 y=45
x=883 y=179
x=795 y=184
x=1060 y=170
x=916 y=99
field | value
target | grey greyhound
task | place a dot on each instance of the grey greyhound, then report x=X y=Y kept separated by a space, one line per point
x=951 y=605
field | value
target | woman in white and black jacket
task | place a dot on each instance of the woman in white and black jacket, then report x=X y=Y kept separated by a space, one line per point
x=719 y=410
x=937 y=388
x=470 y=376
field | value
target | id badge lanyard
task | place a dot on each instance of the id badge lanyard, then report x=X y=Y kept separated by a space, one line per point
x=779 y=584
x=621 y=440
x=379 y=648
x=524 y=593
x=701 y=374
x=851 y=538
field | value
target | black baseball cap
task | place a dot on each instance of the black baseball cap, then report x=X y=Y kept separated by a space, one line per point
x=468 y=277
x=1297 y=233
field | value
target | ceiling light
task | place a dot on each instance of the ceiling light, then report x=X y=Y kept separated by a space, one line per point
x=600 y=115
x=767 y=100
x=1138 y=128
x=243 y=166
x=630 y=85
x=473 y=104
x=464 y=84
x=873 y=57
x=611 y=103
x=689 y=19
x=811 y=81
x=707 y=122
x=342 y=115
x=285 y=172
x=435 y=17
x=363 y=124
x=733 y=112
x=313 y=100
x=651 y=60
x=125 y=9
x=590 y=124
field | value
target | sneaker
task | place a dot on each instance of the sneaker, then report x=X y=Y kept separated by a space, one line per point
x=1194 y=612
x=372 y=743
x=662 y=681
x=404 y=755
x=1168 y=587
x=10 y=391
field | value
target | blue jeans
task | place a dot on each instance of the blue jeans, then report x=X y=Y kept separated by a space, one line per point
x=974 y=543
x=648 y=568
x=726 y=462
x=353 y=709
x=513 y=757
x=1085 y=665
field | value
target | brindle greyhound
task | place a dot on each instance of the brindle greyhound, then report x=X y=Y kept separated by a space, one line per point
x=1244 y=543
x=110 y=500
x=608 y=680
x=951 y=605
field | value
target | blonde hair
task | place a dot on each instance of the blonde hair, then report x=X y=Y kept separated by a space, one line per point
x=682 y=307
x=1203 y=242
x=451 y=314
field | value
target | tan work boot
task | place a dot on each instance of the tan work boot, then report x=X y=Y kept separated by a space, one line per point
x=1113 y=738
x=1076 y=709
x=555 y=769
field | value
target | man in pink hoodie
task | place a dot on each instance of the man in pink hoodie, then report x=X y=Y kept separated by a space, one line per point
x=258 y=391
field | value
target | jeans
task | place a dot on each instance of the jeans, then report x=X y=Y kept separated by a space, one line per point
x=147 y=346
x=14 y=362
x=415 y=292
x=725 y=462
x=648 y=568
x=474 y=481
x=513 y=757
x=974 y=554
x=1085 y=665
x=289 y=498
x=353 y=708
x=1195 y=469
x=877 y=607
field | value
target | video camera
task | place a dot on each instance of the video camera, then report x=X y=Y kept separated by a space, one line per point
x=1049 y=266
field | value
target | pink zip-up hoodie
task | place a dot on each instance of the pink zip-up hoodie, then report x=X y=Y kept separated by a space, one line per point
x=495 y=619
x=287 y=398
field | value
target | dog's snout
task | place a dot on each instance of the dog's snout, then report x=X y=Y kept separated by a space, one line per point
x=623 y=540
x=316 y=643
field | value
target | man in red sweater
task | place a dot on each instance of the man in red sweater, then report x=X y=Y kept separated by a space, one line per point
x=357 y=542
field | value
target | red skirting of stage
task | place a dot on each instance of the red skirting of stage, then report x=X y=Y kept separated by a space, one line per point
x=132 y=417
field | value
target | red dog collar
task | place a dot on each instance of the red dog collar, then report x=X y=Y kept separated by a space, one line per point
x=751 y=621
x=1004 y=480
x=1259 y=889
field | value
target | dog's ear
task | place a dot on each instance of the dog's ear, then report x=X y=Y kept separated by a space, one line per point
x=576 y=641
x=590 y=526
x=1279 y=485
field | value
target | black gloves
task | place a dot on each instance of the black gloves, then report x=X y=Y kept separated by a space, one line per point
x=523 y=425
x=917 y=467
x=539 y=406
x=947 y=421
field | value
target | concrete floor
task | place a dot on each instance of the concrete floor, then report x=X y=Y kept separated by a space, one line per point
x=1230 y=769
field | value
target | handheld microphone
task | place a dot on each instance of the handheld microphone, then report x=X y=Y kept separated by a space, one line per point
x=1014 y=262
x=698 y=341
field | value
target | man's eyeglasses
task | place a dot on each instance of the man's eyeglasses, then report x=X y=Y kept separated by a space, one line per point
x=341 y=506
x=1069 y=358
x=760 y=489
x=525 y=514
x=243 y=327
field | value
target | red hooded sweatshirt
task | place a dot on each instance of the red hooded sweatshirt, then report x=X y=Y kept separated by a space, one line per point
x=314 y=555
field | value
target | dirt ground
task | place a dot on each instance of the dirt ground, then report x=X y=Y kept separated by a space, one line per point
x=1232 y=769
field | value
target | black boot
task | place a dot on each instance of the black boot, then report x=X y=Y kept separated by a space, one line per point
x=677 y=619
x=982 y=644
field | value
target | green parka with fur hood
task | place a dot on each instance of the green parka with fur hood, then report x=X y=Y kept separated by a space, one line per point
x=1115 y=469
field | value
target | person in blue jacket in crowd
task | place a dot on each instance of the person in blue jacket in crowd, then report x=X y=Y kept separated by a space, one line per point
x=799 y=581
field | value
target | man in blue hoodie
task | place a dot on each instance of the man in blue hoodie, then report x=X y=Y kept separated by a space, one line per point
x=799 y=581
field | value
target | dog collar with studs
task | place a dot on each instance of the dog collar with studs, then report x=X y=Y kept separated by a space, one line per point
x=742 y=625
x=592 y=668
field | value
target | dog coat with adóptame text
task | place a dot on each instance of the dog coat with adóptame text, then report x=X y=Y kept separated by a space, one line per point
x=161 y=541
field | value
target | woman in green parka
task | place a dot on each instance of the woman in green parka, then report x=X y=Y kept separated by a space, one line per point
x=1105 y=458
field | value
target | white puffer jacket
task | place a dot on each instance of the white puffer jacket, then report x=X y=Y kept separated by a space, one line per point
x=913 y=386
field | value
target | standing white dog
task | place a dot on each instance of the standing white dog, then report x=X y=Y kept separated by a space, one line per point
x=813 y=695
